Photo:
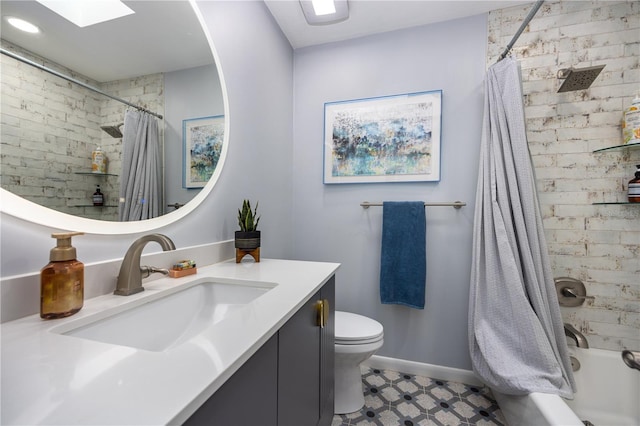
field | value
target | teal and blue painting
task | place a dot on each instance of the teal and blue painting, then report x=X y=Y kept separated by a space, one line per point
x=383 y=137
x=205 y=148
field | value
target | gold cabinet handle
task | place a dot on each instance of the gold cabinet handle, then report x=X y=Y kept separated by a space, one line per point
x=320 y=317
x=325 y=311
x=322 y=312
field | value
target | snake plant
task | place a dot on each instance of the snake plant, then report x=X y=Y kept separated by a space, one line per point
x=248 y=219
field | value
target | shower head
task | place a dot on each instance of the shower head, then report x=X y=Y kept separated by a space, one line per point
x=113 y=131
x=578 y=79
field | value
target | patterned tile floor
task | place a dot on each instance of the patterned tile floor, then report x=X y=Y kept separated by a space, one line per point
x=398 y=399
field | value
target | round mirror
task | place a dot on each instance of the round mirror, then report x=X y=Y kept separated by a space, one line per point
x=74 y=95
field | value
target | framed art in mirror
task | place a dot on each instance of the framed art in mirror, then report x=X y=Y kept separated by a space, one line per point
x=203 y=140
x=384 y=139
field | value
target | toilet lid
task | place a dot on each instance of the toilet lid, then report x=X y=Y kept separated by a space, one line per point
x=356 y=328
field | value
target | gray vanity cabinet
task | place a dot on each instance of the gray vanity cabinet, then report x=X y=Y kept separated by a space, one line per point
x=249 y=397
x=306 y=362
x=289 y=381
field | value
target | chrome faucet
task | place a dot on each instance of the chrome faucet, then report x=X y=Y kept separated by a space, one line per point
x=631 y=358
x=131 y=273
x=572 y=332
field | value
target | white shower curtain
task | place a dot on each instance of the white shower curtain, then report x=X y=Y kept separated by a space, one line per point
x=141 y=180
x=516 y=335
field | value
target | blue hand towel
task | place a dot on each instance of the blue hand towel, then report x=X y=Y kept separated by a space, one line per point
x=403 y=263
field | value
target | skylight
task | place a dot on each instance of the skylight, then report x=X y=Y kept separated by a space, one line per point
x=87 y=12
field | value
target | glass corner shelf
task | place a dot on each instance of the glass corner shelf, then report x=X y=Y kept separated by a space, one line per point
x=95 y=174
x=616 y=202
x=92 y=205
x=613 y=148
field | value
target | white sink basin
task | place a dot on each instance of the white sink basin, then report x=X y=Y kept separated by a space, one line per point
x=173 y=319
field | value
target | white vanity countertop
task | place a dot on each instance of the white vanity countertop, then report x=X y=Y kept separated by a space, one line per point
x=49 y=378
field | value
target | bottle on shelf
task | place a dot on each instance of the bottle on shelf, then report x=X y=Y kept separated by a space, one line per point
x=631 y=122
x=99 y=161
x=98 y=197
x=633 y=191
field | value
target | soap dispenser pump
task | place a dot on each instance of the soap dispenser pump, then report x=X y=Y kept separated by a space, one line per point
x=62 y=280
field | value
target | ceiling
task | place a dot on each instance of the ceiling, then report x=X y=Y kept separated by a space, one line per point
x=161 y=36
x=368 y=17
x=172 y=38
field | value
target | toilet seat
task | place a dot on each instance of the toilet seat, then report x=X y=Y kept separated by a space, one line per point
x=354 y=329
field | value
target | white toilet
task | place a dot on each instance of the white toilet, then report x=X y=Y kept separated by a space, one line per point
x=357 y=338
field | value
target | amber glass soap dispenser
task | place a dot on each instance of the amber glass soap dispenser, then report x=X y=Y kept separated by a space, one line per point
x=62 y=280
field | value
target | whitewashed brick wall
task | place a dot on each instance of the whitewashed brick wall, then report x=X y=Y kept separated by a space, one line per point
x=50 y=127
x=598 y=244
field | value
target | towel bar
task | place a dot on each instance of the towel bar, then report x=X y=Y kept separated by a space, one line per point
x=454 y=204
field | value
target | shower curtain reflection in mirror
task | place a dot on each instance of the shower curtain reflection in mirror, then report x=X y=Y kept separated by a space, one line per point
x=141 y=183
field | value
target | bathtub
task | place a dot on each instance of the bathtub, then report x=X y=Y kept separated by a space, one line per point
x=608 y=395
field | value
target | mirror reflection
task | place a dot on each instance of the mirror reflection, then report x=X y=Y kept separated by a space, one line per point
x=111 y=141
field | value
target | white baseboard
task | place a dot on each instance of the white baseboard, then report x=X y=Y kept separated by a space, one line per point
x=422 y=369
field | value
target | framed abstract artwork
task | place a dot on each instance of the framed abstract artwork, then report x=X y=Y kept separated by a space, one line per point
x=202 y=139
x=385 y=139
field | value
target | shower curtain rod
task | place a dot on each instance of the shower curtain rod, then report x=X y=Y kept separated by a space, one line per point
x=526 y=21
x=454 y=204
x=73 y=80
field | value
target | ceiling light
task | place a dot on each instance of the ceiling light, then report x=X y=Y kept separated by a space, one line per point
x=84 y=13
x=323 y=7
x=23 y=25
x=324 y=12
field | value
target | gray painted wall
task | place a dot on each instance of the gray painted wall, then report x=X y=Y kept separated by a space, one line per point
x=330 y=224
x=192 y=93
